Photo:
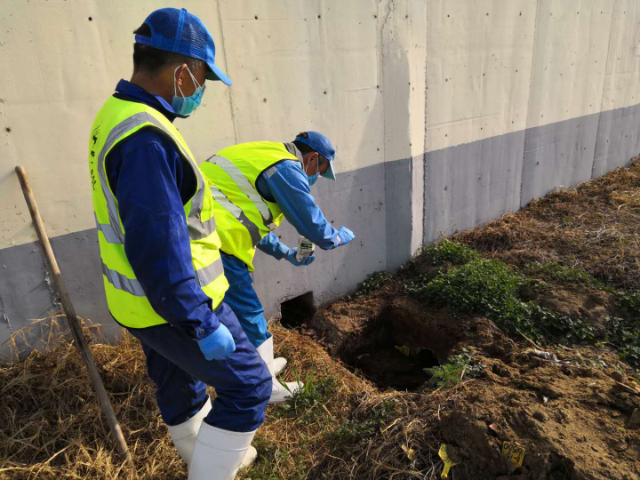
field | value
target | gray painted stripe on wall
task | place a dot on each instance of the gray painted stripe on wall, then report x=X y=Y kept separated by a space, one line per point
x=618 y=139
x=468 y=185
x=560 y=154
x=371 y=201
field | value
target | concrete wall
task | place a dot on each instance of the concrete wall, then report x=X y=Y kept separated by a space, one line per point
x=445 y=114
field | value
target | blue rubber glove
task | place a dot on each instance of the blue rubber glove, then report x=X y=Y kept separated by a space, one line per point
x=218 y=344
x=291 y=258
x=345 y=236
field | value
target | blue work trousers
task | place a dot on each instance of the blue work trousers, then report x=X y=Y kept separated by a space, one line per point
x=244 y=301
x=181 y=373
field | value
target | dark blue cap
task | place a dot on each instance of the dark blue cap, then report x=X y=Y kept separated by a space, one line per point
x=181 y=32
x=322 y=145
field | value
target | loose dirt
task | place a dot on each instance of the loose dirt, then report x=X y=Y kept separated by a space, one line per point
x=373 y=406
x=572 y=416
x=595 y=226
x=571 y=419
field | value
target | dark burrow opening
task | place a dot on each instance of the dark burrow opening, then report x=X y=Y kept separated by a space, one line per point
x=393 y=366
x=298 y=310
x=397 y=348
x=394 y=349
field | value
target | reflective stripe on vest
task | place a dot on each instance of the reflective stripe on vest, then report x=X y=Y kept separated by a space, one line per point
x=120 y=282
x=126 y=298
x=246 y=187
x=237 y=212
x=243 y=216
x=197 y=229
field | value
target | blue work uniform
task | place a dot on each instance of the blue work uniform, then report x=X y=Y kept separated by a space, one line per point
x=289 y=188
x=147 y=176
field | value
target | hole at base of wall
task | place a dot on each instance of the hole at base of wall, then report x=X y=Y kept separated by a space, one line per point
x=297 y=310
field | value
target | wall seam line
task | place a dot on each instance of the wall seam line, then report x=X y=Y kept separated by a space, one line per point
x=526 y=121
x=425 y=155
x=226 y=69
x=380 y=38
x=606 y=65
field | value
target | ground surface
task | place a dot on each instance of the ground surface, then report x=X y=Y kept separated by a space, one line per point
x=445 y=351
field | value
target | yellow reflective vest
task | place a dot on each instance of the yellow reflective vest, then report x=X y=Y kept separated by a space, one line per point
x=242 y=215
x=116 y=121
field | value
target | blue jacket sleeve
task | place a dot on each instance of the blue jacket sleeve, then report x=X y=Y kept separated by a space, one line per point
x=156 y=236
x=289 y=188
x=271 y=245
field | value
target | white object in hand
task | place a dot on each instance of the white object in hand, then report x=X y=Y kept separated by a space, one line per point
x=305 y=248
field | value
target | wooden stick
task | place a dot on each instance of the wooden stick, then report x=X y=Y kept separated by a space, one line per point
x=72 y=319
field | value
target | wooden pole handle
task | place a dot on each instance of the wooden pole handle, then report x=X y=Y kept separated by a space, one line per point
x=72 y=319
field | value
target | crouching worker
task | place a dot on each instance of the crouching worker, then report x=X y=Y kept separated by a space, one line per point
x=255 y=186
x=162 y=271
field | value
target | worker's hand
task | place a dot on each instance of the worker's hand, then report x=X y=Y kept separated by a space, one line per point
x=345 y=236
x=291 y=258
x=218 y=344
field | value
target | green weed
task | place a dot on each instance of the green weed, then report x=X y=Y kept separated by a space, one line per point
x=372 y=283
x=271 y=462
x=450 y=373
x=490 y=288
x=355 y=429
x=630 y=301
x=316 y=390
x=625 y=336
x=480 y=286
x=447 y=251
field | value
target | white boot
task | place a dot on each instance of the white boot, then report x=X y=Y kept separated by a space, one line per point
x=184 y=435
x=279 y=393
x=219 y=454
x=279 y=364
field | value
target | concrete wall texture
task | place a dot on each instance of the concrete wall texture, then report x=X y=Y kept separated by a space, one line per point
x=445 y=114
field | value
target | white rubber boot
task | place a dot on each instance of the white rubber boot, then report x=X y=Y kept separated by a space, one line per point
x=184 y=435
x=279 y=364
x=219 y=454
x=279 y=393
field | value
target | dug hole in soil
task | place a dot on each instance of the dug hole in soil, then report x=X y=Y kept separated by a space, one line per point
x=572 y=421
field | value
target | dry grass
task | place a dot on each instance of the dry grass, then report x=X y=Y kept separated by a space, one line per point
x=595 y=226
x=351 y=430
x=342 y=427
x=53 y=426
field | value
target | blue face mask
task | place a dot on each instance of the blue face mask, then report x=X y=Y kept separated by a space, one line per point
x=313 y=178
x=184 y=106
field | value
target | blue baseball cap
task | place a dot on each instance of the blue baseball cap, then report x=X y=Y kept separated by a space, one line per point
x=321 y=144
x=181 y=32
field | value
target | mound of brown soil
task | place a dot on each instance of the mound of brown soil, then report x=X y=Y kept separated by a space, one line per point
x=571 y=420
x=595 y=226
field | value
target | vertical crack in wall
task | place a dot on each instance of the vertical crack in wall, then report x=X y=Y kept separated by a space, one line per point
x=381 y=23
x=604 y=85
x=226 y=69
x=526 y=117
x=425 y=149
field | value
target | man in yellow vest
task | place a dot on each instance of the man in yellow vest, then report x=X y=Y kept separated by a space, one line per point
x=255 y=186
x=162 y=271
